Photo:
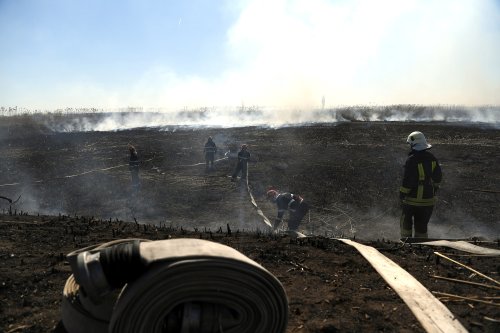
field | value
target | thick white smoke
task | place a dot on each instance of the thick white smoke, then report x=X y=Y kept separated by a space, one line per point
x=267 y=117
x=291 y=53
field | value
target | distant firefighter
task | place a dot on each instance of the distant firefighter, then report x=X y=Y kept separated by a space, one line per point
x=422 y=175
x=295 y=205
x=133 y=165
x=242 y=163
x=210 y=150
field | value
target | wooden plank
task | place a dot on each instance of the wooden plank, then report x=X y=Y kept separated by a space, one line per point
x=429 y=311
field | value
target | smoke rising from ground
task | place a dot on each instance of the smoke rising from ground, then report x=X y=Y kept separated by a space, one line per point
x=329 y=165
x=71 y=120
x=292 y=54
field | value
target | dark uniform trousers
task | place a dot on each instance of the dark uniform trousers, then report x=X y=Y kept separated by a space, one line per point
x=296 y=215
x=416 y=217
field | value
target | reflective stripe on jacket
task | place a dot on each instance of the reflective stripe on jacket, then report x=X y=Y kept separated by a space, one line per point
x=422 y=175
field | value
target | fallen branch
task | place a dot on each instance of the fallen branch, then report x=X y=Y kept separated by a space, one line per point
x=466 y=298
x=467 y=267
x=466 y=282
x=10 y=200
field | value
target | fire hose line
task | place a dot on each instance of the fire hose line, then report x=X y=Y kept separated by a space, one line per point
x=463 y=246
x=74 y=175
x=176 y=285
x=429 y=311
x=96 y=170
x=198 y=164
x=252 y=200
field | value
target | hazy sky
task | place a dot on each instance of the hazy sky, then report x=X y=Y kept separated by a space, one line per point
x=282 y=53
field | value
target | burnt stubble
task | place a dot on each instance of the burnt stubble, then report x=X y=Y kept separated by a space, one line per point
x=75 y=191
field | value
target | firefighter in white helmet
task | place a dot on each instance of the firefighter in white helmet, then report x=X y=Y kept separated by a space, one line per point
x=422 y=175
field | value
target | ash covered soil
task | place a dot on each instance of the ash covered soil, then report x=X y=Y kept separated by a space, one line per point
x=75 y=192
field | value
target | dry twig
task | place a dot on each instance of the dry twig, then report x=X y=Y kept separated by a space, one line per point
x=472 y=299
x=466 y=282
x=469 y=268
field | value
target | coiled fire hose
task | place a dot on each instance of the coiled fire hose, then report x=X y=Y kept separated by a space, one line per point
x=176 y=285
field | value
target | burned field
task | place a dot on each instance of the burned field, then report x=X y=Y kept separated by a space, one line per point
x=75 y=191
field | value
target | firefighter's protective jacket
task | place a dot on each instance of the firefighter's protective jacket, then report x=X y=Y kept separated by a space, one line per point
x=422 y=175
x=286 y=201
x=133 y=162
x=243 y=156
x=210 y=147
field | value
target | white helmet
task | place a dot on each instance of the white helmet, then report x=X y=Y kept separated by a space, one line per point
x=417 y=141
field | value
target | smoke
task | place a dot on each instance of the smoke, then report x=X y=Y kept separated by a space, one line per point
x=376 y=224
x=362 y=52
x=266 y=117
x=291 y=54
x=458 y=224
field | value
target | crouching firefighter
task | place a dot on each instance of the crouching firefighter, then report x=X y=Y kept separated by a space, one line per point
x=422 y=175
x=294 y=204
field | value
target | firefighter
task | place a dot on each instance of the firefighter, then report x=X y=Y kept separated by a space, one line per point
x=422 y=175
x=133 y=165
x=210 y=149
x=242 y=163
x=293 y=203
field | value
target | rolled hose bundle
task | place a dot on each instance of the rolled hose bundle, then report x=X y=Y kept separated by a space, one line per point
x=177 y=285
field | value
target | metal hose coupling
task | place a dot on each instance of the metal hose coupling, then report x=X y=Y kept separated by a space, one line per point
x=177 y=285
x=100 y=271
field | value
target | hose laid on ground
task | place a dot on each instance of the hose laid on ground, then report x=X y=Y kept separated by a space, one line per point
x=463 y=246
x=197 y=164
x=254 y=204
x=73 y=175
x=429 y=311
x=177 y=285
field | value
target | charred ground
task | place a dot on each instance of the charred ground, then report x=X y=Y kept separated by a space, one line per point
x=349 y=172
